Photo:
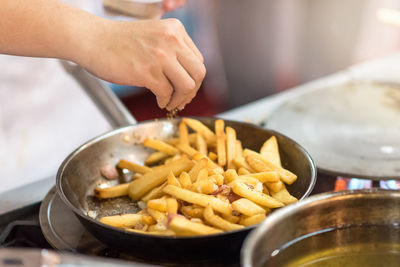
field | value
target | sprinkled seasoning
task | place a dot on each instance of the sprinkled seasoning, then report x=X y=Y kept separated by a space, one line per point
x=172 y=114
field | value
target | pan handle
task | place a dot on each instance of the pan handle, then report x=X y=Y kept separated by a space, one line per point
x=107 y=102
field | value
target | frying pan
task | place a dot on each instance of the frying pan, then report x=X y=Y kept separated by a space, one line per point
x=80 y=173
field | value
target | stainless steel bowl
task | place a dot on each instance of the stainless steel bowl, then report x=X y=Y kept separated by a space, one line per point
x=337 y=222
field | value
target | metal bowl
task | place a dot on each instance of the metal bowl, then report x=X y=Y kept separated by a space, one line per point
x=79 y=174
x=359 y=225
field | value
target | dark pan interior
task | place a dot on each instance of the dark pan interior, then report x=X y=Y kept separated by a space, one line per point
x=80 y=173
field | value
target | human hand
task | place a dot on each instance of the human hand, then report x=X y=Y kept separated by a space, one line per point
x=169 y=5
x=156 y=54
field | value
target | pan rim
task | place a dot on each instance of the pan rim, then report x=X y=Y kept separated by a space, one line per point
x=115 y=131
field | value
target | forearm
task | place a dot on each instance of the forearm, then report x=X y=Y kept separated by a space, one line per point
x=45 y=28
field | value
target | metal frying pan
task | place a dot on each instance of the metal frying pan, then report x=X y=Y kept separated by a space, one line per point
x=79 y=174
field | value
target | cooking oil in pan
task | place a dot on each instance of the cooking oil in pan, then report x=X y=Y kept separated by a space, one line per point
x=366 y=246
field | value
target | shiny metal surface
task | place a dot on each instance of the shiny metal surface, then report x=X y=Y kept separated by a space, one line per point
x=24 y=257
x=54 y=214
x=80 y=172
x=350 y=130
x=333 y=210
x=112 y=108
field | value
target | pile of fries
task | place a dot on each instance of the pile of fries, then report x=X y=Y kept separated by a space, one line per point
x=201 y=183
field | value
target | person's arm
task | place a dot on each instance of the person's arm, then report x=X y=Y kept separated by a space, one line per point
x=158 y=55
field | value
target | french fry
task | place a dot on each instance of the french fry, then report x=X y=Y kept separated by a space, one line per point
x=172 y=180
x=205 y=186
x=238 y=149
x=221 y=142
x=284 y=196
x=214 y=170
x=219 y=222
x=155 y=158
x=160 y=146
x=247 y=207
x=110 y=192
x=260 y=198
x=192 y=211
x=184 y=180
x=148 y=219
x=165 y=232
x=259 y=187
x=243 y=171
x=245 y=179
x=275 y=186
x=270 y=151
x=186 y=149
x=135 y=176
x=147 y=181
x=257 y=164
x=169 y=159
x=123 y=220
x=199 y=199
x=159 y=204
x=182 y=226
x=201 y=144
x=265 y=190
x=219 y=178
x=183 y=134
x=172 y=205
x=202 y=175
x=157 y=227
x=263 y=177
x=198 y=166
x=156 y=192
x=230 y=147
x=134 y=167
x=255 y=219
x=175 y=141
x=231 y=218
x=212 y=156
x=285 y=175
x=230 y=176
x=240 y=162
x=160 y=217
x=212 y=165
x=200 y=128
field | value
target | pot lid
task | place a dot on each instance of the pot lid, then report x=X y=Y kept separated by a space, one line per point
x=351 y=130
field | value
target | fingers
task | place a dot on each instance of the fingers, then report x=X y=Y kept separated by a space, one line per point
x=162 y=89
x=182 y=83
x=197 y=72
x=193 y=47
x=186 y=76
x=187 y=100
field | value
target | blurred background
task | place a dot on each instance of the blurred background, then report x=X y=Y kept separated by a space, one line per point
x=252 y=49
x=257 y=48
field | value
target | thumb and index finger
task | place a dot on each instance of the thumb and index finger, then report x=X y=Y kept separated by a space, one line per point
x=182 y=75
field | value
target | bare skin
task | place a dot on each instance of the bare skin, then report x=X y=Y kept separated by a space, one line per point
x=156 y=54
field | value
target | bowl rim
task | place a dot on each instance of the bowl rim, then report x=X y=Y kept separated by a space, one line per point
x=250 y=243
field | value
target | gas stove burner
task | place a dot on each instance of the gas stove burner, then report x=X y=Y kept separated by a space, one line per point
x=63 y=231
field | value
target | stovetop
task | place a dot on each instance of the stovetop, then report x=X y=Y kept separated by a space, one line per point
x=30 y=227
